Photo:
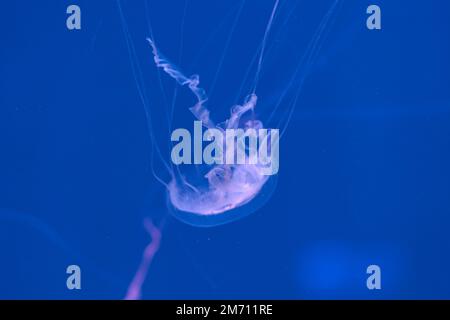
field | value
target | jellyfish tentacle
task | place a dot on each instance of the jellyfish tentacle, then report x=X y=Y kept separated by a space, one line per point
x=227 y=44
x=180 y=55
x=270 y=47
x=238 y=110
x=135 y=288
x=159 y=78
x=263 y=45
x=199 y=110
x=305 y=63
x=310 y=57
x=138 y=78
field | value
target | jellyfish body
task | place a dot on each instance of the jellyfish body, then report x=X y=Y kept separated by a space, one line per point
x=214 y=194
x=218 y=196
x=229 y=206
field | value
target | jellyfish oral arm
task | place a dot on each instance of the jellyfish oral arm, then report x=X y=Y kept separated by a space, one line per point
x=135 y=287
x=226 y=146
x=199 y=110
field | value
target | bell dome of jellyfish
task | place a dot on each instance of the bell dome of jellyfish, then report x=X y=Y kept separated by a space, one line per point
x=210 y=205
x=240 y=174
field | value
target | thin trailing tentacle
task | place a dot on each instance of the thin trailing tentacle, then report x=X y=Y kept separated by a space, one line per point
x=137 y=74
x=263 y=46
x=227 y=44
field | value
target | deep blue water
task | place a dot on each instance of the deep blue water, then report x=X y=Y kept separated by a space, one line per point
x=364 y=163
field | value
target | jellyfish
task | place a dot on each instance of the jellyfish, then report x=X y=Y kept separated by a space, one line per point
x=212 y=194
x=224 y=188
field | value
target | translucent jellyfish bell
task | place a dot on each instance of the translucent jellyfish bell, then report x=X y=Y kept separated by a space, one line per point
x=206 y=207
